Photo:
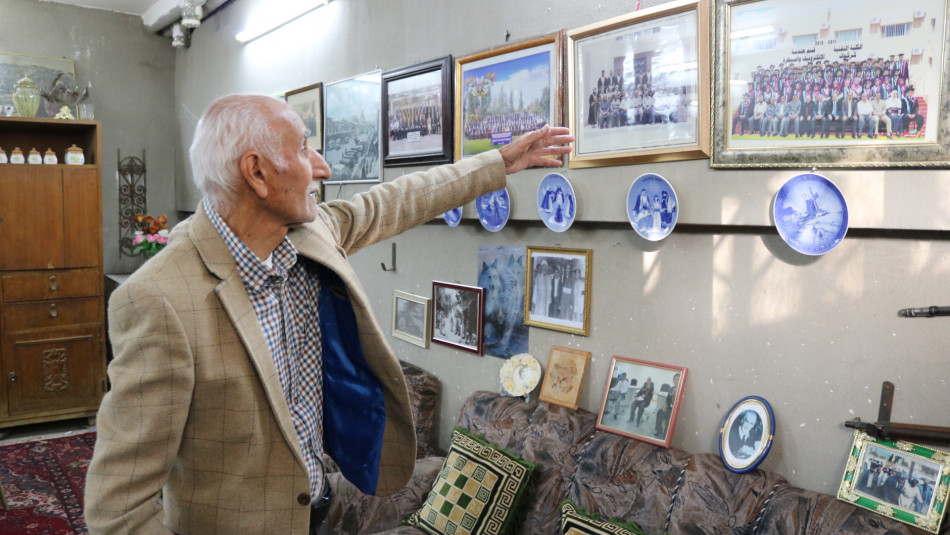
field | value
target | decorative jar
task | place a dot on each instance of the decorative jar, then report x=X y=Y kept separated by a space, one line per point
x=50 y=157
x=74 y=156
x=3 y=155
x=26 y=97
x=34 y=157
x=17 y=156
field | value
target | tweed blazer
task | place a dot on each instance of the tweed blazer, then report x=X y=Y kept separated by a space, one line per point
x=195 y=436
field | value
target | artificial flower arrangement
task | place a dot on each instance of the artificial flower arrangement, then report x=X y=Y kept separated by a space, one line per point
x=151 y=234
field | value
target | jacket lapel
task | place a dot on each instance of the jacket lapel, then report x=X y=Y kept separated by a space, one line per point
x=231 y=291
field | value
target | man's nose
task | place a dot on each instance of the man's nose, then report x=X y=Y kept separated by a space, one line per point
x=321 y=169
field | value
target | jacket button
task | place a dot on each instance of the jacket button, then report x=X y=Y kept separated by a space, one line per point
x=303 y=499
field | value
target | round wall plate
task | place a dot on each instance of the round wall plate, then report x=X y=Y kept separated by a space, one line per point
x=810 y=214
x=494 y=209
x=453 y=217
x=652 y=207
x=557 y=205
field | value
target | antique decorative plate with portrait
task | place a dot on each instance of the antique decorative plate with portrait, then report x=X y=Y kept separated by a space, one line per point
x=810 y=214
x=557 y=205
x=745 y=437
x=494 y=209
x=652 y=207
x=453 y=217
x=519 y=375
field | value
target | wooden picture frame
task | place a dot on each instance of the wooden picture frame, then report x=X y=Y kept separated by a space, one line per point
x=411 y=318
x=645 y=408
x=833 y=52
x=417 y=114
x=564 y=378
x=308 y=103
x=458 y=316
x=42 y=70
x=352 y=146
x=488 y=77
x=873 y=480
x=557 y=289
x=654 y=104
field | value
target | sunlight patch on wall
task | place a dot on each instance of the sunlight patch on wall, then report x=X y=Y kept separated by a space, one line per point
x=651 y=271
x=723 y=257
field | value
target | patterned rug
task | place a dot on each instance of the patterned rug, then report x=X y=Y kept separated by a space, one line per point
x=44 y=483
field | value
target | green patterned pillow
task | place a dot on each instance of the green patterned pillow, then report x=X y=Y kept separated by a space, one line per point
x=481 y=490
x=575 y=522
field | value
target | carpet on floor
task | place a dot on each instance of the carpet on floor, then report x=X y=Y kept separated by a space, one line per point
x=44 y=483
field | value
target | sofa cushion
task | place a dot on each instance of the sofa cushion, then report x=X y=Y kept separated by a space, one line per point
x=424 y=389
x=574 y=522
x=481 y=490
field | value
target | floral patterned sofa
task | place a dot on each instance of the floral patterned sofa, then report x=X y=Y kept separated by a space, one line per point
x=662 y=490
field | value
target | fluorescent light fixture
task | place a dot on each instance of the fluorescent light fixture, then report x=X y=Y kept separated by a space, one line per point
x=752 y=32
x=276 y=16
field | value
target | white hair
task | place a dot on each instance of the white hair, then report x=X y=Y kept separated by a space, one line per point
x=230 y=127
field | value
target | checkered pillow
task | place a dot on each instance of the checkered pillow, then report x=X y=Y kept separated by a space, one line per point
x=575 y=522
x=481 y=490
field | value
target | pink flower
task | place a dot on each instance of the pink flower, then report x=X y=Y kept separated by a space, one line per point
x=151 y=238
x=161 y=239
x=138 y=239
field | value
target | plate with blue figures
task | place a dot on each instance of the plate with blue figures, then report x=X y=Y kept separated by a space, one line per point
x=494 y=209
x=810 y=214
x=652 y=207
x=557 y=205
x=453 y=216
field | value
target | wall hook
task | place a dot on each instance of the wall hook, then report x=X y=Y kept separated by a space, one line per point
x=383 y=264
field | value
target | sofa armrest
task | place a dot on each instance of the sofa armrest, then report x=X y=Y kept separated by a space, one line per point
x=355 y=512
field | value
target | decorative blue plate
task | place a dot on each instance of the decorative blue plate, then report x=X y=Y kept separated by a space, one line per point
x=810 y=214
x=652 y=207
x=557 y=205
x=745 y=437
x=493 y=209
x=453 y=216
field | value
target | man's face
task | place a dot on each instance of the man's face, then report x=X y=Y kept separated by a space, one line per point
x=291 y=193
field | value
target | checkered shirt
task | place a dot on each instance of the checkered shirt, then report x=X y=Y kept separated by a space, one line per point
x=284 y=297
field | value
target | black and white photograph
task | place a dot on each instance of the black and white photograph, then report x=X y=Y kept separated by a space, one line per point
x=558 y=289
x=745 y=437
x=457 y=316
x=352 y=128
x=411 y=318
x=417 y=111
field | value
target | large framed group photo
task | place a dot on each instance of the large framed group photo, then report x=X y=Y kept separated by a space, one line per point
x=638 y=86
x=417 y=114
x=831 y=83
x=507 y=91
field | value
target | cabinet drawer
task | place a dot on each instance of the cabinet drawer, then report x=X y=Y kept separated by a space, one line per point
x=51 y=313
x=51 y=285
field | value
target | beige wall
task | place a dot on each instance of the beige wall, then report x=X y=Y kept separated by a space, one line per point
x=723 y=295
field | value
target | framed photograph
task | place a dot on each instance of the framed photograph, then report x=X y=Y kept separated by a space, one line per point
x=831 y=83
x=567 y=368
x=352 y=126
x=638 y=86
x=308 y=103
x=501 y=272
x=42 y=70
x=745 y=437
x=417 y=112
x=641 y=400
x=900 y=480
x=411 y=318
x=507 y=91
x=458 y=317
x=557 y=286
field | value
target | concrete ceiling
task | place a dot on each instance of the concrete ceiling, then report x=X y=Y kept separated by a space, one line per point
x=156 y=14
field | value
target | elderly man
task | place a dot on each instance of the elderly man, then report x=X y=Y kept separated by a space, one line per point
x=247 y=347
x=880 y=115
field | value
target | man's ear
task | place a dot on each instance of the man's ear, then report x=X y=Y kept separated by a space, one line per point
x=252 y=169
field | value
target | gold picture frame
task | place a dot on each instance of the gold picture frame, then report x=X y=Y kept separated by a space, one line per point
x=654 y=104
x=566 y=371
x=557 y=289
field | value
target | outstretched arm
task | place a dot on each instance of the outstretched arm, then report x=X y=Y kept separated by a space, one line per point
x=533 y=149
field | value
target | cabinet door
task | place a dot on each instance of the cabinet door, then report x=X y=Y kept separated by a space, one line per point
x=50 y=371
x=82 y=216
x=31 y=217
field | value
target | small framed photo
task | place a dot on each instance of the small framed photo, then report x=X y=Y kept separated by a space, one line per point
x=308 y=103
x=411 y=318
x=830 y=84
x=567 y=368
x=417 y=114
x=745 y=437
x=557 y=285
x=641 y=400
x=507 y=91
x=900 y=480
x=352 y=127
x=458 y=318
x=638 y=86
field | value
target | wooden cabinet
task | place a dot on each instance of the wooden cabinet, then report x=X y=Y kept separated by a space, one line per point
x=52 y=350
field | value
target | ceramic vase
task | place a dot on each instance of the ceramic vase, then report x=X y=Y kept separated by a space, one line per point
x=26 y=97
